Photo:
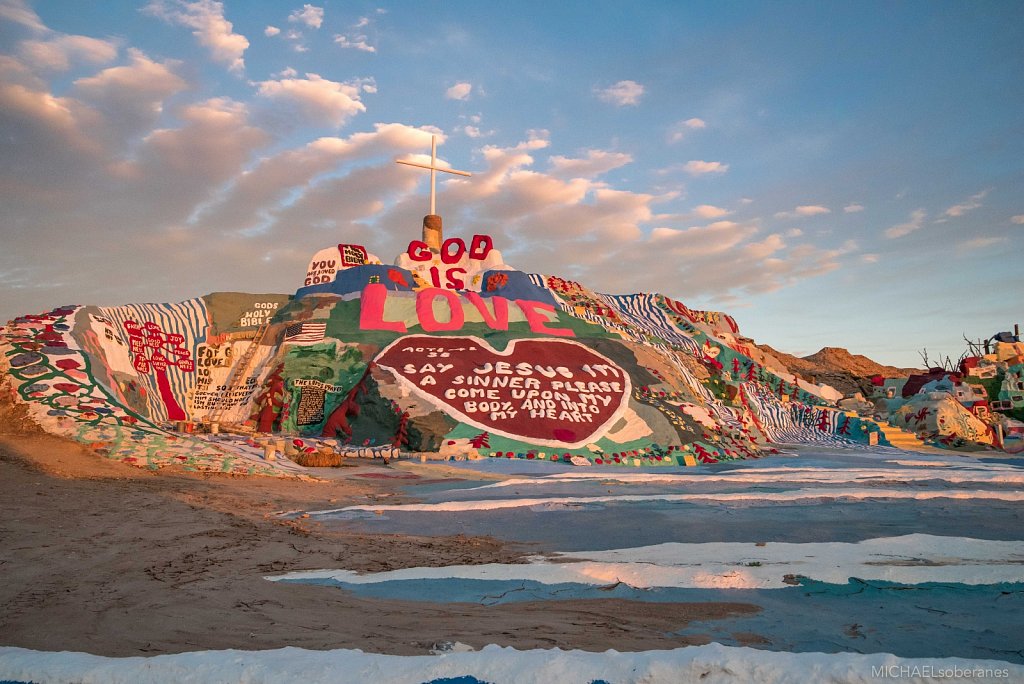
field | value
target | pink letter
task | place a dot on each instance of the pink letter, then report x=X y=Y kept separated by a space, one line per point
x=425 y=310
x=499 y=321
x=538 y=321
x=371 y=310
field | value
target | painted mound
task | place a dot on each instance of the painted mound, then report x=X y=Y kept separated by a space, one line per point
x=450 y=352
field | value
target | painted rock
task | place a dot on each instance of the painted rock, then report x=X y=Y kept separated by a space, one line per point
x=33 y=371
x=25 y=359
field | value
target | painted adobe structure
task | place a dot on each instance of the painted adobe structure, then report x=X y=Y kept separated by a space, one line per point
x=449 y=352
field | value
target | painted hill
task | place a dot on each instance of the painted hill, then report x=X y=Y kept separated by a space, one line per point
x=450 y=352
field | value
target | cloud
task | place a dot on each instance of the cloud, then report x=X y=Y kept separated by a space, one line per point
x=316 y=98
x=853 y=208
x=18 y=12
x=968 y=205
x=209 y=194
x=213 y=31
x=212 y=145
x=354 y=43
x=981 y=242
x=356 y=38
x=130 y=98
x=622 y=93
x=869 y=258
x=271 y=31
x=57 y=54
x=708 y=211
x=596 y=163
x=608 y=238
x=794 y=232
x=917 y=218
x=459 y=91
x=680 y=130
x=265 y=190
x=475 y=132
x=804 y=210
x=702 y=168
x=721 y=260
x=309 y=15
x=1018 y=219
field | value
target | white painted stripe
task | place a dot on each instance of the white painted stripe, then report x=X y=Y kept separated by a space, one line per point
x=794 y=475
x=909 y=559
x=730 y=497
x=711 y=663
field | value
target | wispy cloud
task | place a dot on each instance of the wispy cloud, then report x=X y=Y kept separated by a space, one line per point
x=981 y=242
x=853 y=208
x=681 y=129
x=57 y=53
x=319 y=99
x=709 y=211
x=356 y=38
x=804 y=210
x=917 y=218
x=698 y=167
x=309 y=15
x=596 y=163
x=19 y=12
x=1018 y=219
x=213 y=31
x=271 y=31
x=622 y=93
x=973 y=202
x=471 y=131
x=459 y=91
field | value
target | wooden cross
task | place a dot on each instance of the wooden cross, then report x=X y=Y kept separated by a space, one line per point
x=433 y=169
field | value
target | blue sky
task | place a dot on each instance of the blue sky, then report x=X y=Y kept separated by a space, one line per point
x=845 y=174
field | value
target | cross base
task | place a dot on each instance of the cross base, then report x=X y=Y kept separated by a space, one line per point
x=432 y=232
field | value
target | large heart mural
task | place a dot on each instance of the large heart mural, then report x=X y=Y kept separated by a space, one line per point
x=550 y=392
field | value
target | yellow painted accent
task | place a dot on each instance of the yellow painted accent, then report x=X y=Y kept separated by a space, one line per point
x=689 y=460
x=901 y=439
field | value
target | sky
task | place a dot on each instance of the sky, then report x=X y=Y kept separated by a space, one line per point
x=831 y=174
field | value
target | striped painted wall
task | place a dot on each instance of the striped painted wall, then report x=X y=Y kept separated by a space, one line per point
x=641 y=311
x=188 y=319
x=791 y=423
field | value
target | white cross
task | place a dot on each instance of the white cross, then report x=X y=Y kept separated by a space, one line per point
x=433 y=169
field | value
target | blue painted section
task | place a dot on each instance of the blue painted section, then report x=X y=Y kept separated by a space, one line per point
x=518 y=286
x=353 y=280
x=910 y=620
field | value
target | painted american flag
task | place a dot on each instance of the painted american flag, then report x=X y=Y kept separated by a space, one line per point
x=305 y=333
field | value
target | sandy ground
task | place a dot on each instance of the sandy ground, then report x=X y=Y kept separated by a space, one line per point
x=105 y=558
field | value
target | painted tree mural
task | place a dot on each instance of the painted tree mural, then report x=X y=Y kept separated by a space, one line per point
x=154 y=351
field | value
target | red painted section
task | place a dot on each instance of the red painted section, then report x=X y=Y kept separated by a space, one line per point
x=496 y=321
x=371 y=310
x=174 y=412
x=541 y=391
x=425 y=310
x=539 y=322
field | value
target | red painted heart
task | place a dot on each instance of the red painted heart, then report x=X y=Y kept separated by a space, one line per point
x=550 y=392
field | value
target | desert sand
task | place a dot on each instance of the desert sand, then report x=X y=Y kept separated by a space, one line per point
x=109 y=559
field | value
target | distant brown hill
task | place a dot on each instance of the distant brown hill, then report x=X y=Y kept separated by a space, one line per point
x=839 y=359
x=837 y=367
